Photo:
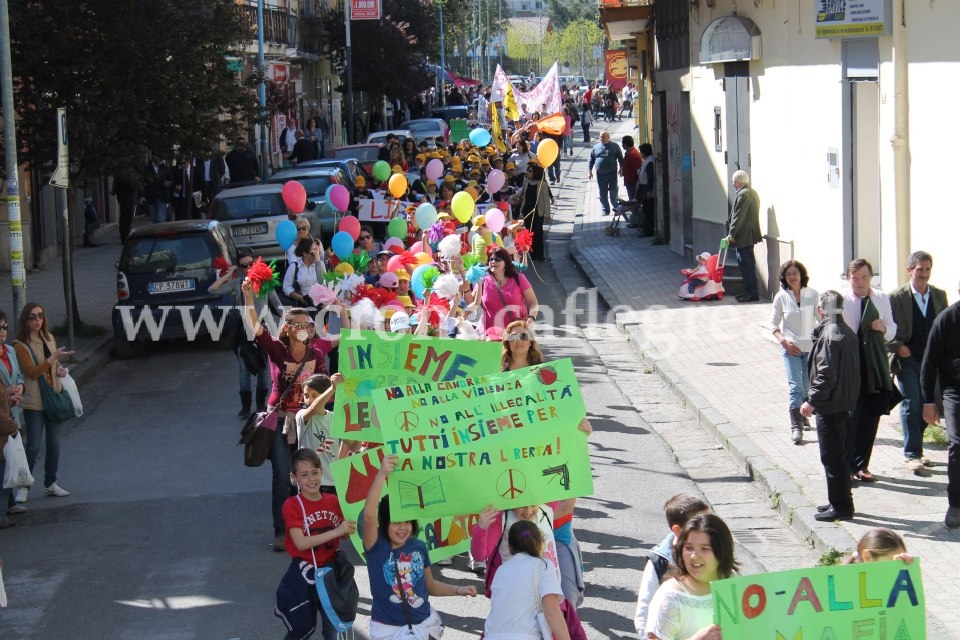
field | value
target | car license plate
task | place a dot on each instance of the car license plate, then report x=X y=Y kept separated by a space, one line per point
x=172 y=285
x=250 y=229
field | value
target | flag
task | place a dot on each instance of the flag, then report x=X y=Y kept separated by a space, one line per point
x=510 y=104
x=495 y=129
x=553 y=124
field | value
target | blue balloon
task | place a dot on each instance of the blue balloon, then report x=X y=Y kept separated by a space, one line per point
x=480 y=137
x=286 y=234
x=342 y=244
x=416 y=280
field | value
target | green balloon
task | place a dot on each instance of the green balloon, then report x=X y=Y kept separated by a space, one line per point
x=381 y=170
x=397 y=228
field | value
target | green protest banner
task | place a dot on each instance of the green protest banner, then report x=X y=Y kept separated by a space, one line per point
x=865 y=600
x=370 y=360
x=459 y=130
x=445 y=536
x=509 y=439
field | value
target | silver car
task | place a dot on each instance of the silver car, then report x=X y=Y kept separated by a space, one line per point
x=316 y=180
x=252 y=214
x=428 y=129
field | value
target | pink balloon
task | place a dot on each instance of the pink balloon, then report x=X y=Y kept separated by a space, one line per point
x=393 y=242
x=425 y=247
x=495 y=180
x=395 y=263
x=434 y=169
x=495 y=220
x=294 y=196
x=351 y=225
x=339 y=198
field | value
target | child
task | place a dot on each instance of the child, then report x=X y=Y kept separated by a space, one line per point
x=678 y=510
x=682 y=608
x=313 y=426
x=314 y=525
x=698 y=275
x=401 y=581
x=878 y=545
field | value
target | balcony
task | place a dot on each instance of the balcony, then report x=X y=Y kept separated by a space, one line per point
x=624 y=19
x=285 y=28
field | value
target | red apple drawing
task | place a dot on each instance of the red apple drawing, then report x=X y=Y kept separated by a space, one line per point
x=547 y=375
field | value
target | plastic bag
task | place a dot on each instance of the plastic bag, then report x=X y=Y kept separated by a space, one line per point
x=16 y=472
x=70 y=385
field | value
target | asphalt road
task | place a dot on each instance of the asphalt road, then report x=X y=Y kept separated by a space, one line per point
x=167 y=536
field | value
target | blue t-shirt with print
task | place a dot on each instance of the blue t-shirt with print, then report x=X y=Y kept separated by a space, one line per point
x=412 y=561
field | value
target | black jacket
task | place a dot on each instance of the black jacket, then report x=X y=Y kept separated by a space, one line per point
x=834 y=368
x=942 y=355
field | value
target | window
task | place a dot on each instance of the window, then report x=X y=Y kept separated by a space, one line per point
x=169 y=254
x=717 y=130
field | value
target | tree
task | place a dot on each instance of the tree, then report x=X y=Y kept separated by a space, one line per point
x=133 y=75
x=563 y=12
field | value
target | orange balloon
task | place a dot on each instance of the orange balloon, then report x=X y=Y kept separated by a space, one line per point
x=547 y=151
x=473 y=193
x=398 y=184
x=423 y=258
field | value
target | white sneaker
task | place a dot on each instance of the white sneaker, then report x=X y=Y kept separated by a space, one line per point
x=21 y=494
x=917 y=467
x=56 y=491
x=17 y=508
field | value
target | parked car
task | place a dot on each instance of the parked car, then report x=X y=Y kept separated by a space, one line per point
x=367 y=154
x=251 y=214
x=163 y=277
x=380 y=137
x=316 y=180
x=428 y=129
x=451 y=113
x=353 y=167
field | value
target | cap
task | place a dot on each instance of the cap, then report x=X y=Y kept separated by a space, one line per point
x=421 y=157
x=510 y=165
x=472 y=183
x=478 y=222
x=475 y=172
x=389 y=280
x=473 y=158
x=400 y=320
x=431 y=182
x=704 y=256
x=396 y=169
x=384 y=252
x=360 y=181
x=402 y=274
x=494 y=334
x=406 y=301
x=449 y=178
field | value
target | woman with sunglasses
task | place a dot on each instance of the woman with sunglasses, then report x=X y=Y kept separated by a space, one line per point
x=38 y=355
x=306 y=271
x=251 y=361
x=504 y=295
x=294 y=355
x=520 y=348
x=307 y=227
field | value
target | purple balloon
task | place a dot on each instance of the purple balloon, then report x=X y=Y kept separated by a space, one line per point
x=339 y=197
x=434 y=169
x=495 y=180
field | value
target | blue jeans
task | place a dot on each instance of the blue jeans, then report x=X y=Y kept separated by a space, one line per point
x=280 y=454
x=568 y=143
x=798 y=377
x=34 y=425
x=608 y=190
x=553 y=171
x=911 y=409
x=263 y=378
x=158 y=211
x=748 y=270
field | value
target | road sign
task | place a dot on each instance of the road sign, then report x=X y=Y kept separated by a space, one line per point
x=61 y=176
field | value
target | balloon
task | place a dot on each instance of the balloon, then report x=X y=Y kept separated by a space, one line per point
x=350 y=225
x=416 y=280
x=434 y=169
x=480 y=137
x=423 y=258
x=462 y=205
x=495 y=219
x=547 y=151
x=390 y=243
x=495 y=180
x=338 y=197
x=294 y=196
x=395 y=263
x=381 y=170
x=427 y=249
x=397 y=185
x=426 y=215
x=397 y=228
x=286 y=233
x=342 y=244
x=344 y=268
x=473 y=193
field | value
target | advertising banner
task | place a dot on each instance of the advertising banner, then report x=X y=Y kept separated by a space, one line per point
x=616 y=69
x=365 y=10
x=852 y=18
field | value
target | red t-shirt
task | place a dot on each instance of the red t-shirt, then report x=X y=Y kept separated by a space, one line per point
x=322 y=515
x=631 y=164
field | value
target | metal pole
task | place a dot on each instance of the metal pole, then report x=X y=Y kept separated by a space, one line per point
x=351 y=133
x=503 y=40
x=443 y=63
x=18 y=273
x=262 y=149
x=62 y=201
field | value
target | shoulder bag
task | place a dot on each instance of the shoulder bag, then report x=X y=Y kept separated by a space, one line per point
x=57 y=407
x=258 y=431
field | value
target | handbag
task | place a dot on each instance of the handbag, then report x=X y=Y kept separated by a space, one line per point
x=545 y=630
x=258 y=431
x=16 y=471
x=70 y=385
x=57 y=407
x=335 y=584
x=253 y=357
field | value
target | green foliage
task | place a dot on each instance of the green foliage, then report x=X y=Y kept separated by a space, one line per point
x=564 y=12
x=829 y=558
x=132 y=74
x=573 y=43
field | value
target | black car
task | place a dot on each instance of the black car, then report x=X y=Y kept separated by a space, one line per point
x=163 y=279
x=351 y=166
x=451 y=113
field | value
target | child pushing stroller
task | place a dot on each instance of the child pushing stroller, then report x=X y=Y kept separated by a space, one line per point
x=705 y=280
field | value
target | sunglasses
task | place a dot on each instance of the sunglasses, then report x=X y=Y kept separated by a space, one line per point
x=366 y=237
x=303 y=228
x=36 y=316
x=494 y=259
x=301 y=325
x=244 y=265
x=4 y=327
x=518 y=337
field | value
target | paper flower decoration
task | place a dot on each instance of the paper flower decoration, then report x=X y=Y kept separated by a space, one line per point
x=449 y=247
x=524 y=240
x=447 y=286
x=476 y=273
x=263 y=277
x=222 y=266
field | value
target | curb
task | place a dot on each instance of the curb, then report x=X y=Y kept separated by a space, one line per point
x=794 y=507
x=87 y=369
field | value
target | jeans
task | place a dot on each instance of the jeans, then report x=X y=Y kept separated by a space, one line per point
x=280 y=454
x=608 y=191
x=748 y=270
x=798 y=377
x=830 y=433
x=568 y=143
x=158 y=211
x=34 y=423
x=553 y=171
x=911 y=408
x=586 y=132
x=263 y=378
x=631 y=190
x=951 y=417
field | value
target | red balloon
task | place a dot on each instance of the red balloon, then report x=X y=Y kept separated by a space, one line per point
x=351 y=225
x=395 y=263
x=294 y=196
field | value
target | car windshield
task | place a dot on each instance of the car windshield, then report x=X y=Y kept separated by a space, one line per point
x=263 y=205
x=423 y=126
x=363 y=154
x=166 y=254
x=313 y=185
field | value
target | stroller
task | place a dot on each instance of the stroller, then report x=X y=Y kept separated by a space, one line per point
x=624 y=208
x=711 y=287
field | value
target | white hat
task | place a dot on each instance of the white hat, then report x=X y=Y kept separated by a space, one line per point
x=399 y=321
x=705 y=255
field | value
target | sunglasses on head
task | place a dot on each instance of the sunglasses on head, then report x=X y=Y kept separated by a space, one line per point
x=36 y=316
x=518 y=337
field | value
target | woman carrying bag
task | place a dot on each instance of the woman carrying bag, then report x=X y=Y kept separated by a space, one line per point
x=39 y=359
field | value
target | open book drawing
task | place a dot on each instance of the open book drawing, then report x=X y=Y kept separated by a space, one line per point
x=421 y=495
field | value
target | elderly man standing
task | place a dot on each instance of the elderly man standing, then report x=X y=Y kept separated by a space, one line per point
x=743 y=225
x=608 y=160
x=915 y=306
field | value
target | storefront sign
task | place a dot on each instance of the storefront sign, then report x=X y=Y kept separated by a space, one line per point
x=365 y=10
x=852 y=18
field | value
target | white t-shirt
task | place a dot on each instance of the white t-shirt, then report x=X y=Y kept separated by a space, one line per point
x=513 y=598
x=315 y=435
x=677 y=615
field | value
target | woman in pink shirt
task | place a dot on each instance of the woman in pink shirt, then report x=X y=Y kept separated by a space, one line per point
x=505 y=295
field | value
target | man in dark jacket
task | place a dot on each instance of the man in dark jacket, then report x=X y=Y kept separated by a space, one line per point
x=242 y=163
x=834 y=389
x=607 y=159
x=744 y=232
x=303 y=150
x=942 y=359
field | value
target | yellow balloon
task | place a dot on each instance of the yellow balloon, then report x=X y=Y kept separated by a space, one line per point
x=423 y=258
x=462 y=206
x=547 y=151
x=398 y=184
x=344 y=268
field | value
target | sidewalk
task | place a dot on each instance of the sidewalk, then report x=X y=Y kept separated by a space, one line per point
x=718 y=358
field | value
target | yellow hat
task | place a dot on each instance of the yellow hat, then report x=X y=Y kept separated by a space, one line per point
x=396 y=169
x=475 y=172
x=360 y=182
x=388 y=312
x=431 y=182
x=449 y=178
x=405 y=301
x=490 y=149
x=455 y=160
x=421 y=157
x=472 y=183
x=510 y=165
x=478 y=222
x=403 y=274
x=434 y=155
x=473 y=158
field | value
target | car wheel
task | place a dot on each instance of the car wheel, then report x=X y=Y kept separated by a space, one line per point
x=122 y=348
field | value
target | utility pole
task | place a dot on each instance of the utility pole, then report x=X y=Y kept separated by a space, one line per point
x=443 y=62
x=17 y=271
x=262 y=148
x=351 y=133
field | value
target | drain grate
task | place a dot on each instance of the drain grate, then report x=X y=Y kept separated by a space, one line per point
x=722 y=364
x=56 y=515
x=764 y=536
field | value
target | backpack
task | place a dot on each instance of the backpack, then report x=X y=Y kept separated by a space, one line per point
x=338 y=592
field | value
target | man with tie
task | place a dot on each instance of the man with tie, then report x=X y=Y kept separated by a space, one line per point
x=184 y=207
